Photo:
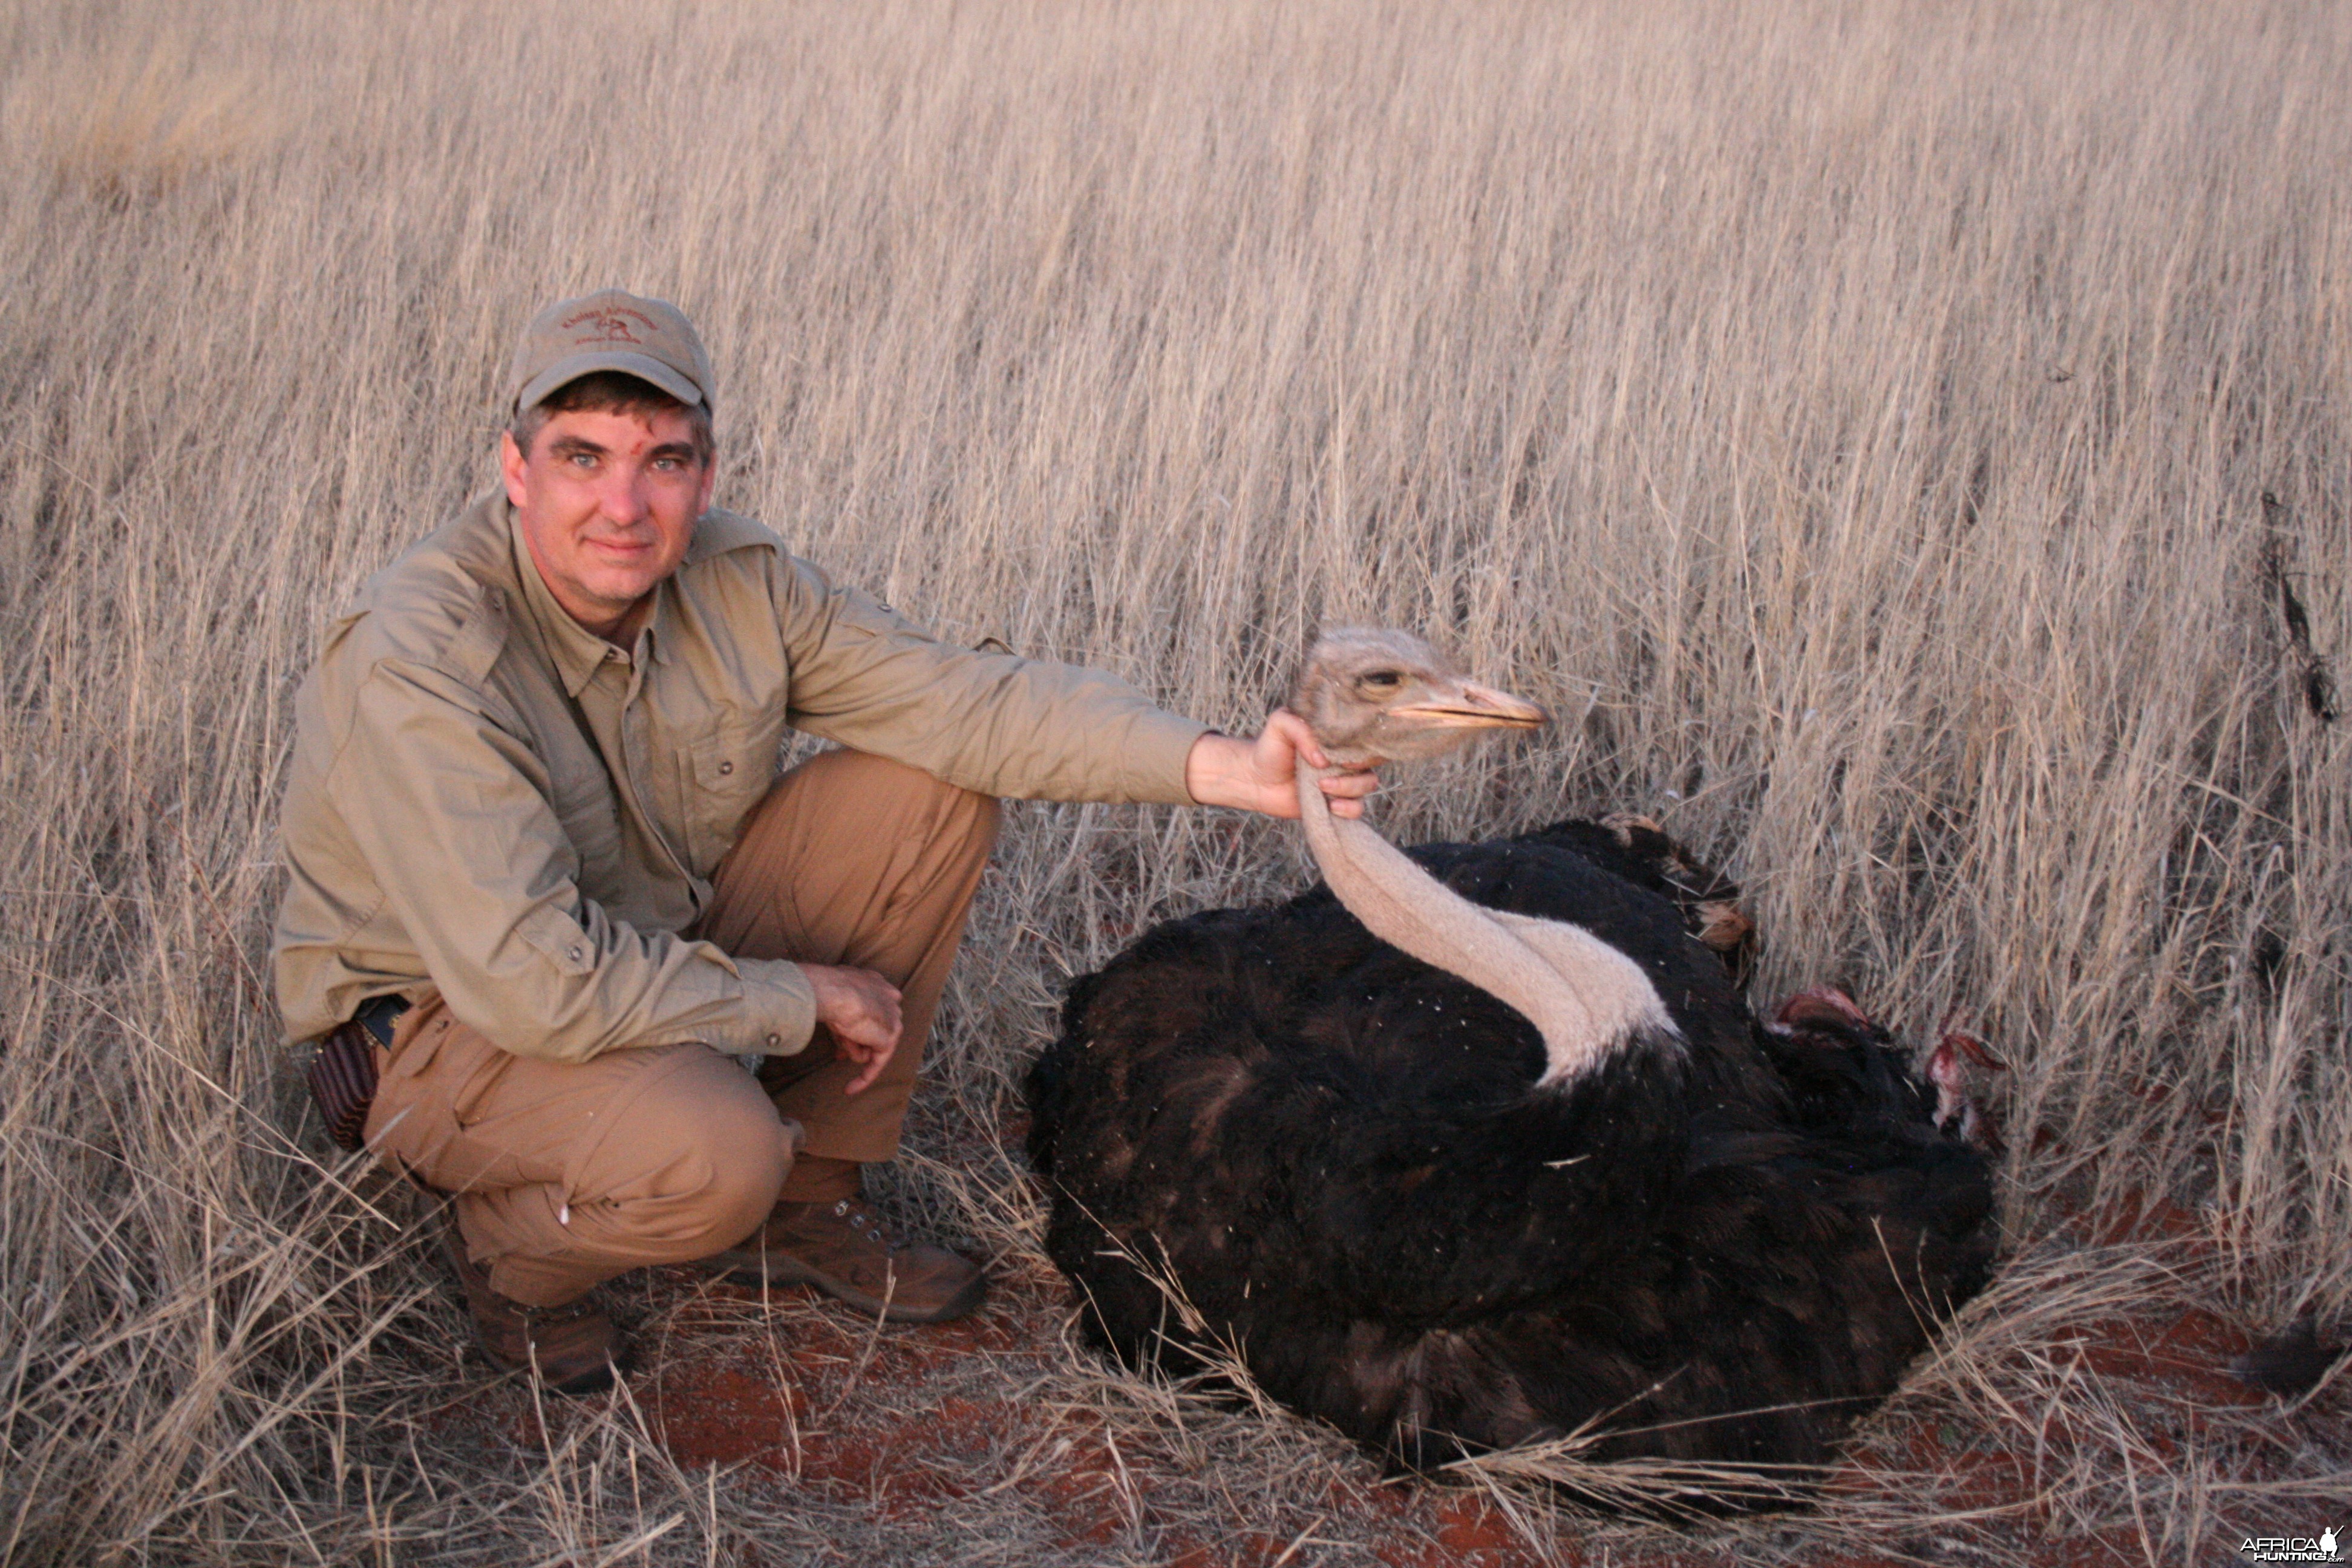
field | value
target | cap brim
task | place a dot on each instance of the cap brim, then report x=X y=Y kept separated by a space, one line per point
x=645 y=367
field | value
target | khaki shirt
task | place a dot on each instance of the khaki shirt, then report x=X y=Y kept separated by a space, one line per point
x=487 y=799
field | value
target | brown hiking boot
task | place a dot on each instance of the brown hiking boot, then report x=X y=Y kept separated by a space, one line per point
x=844 y=1250
x=574 y=1348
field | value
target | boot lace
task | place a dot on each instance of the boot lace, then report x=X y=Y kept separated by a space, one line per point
x=865 y=1225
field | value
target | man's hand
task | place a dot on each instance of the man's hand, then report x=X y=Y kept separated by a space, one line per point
x=1260 y=773
x=861 y=1008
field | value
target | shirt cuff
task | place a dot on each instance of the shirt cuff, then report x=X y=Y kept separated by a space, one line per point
x=1153 y=758
x=778 y=1008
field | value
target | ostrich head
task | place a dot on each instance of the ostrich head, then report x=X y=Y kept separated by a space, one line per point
x=1374 y=696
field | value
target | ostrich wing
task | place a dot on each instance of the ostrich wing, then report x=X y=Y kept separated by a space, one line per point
x=1262 y=1162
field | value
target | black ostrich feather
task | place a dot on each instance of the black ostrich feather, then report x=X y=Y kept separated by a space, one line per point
x=1720 y=1248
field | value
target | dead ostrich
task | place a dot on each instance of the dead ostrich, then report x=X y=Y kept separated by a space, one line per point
x=1475 y=1145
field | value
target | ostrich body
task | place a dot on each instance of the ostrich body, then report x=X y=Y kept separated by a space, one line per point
x=1475 y=1145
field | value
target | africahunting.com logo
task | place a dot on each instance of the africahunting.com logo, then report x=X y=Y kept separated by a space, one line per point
x=2322 y=1548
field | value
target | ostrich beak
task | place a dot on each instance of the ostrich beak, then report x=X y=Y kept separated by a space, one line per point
x=1470 y=706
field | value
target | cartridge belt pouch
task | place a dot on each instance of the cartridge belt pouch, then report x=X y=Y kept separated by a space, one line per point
x=343 y=1072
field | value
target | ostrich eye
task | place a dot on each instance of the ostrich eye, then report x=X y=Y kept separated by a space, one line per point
x=1382 y=680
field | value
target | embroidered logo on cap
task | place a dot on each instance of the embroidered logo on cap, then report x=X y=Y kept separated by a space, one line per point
x=610 y=325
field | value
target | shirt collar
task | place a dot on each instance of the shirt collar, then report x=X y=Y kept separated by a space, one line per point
x=578 y=652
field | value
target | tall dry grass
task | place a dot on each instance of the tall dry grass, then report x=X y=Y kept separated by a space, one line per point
x=1892 y=437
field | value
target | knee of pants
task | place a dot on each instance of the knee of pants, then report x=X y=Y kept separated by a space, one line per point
x=965 y=817
x=743 y=1186
x=729 y=1154
x=897 y=787
x=986 y=810
x=979 y=817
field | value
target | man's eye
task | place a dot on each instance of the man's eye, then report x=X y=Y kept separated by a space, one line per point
x=582 y=460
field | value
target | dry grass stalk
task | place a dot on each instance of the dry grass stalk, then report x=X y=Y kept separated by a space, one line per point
x=1910 y=442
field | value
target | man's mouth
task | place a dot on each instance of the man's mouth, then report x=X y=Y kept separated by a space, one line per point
x=627 y=548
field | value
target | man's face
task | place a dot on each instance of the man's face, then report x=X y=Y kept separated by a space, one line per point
x=606 y=503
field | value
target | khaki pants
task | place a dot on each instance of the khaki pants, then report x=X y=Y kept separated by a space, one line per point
x=566 y=1174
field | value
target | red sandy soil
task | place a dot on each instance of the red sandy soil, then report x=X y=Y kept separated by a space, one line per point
x=912 y=1423
x=842 y=1411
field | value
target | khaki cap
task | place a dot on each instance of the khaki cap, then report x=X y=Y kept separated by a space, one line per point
x=610 y=329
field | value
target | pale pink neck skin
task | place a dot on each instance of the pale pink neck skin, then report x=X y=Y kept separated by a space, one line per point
x=1585 y=997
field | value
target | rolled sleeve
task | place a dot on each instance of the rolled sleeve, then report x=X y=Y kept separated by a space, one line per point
x=453 y=814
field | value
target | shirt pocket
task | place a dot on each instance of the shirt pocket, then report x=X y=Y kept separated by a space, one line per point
x=727 y=773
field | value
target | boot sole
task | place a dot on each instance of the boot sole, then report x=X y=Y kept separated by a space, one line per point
x=587 y=1383
x=785 y=1269
x=595 y=1380
x=579 y=1385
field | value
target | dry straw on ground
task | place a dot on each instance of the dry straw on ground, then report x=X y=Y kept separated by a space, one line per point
x=1910 y=444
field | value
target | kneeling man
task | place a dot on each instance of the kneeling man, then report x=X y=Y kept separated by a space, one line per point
x=547 y=882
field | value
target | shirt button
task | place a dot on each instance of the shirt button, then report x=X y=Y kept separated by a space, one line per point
x=774 y=1041
x=577 y=954
x=726 y=768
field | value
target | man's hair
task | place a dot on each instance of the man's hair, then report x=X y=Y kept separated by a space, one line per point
x=611 y=392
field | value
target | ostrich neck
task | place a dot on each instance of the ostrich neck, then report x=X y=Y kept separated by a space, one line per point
x=1584 y=996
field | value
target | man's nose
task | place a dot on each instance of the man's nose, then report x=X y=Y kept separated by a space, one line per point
x=623 y=496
